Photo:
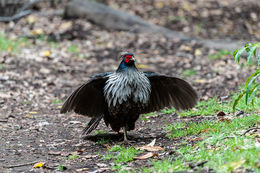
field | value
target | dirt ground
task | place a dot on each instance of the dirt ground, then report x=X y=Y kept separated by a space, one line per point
x=41 y=73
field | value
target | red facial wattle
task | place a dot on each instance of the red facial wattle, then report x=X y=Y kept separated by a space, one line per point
x=127 y=58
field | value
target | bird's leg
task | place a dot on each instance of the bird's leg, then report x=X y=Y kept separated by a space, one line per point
x=125 y=141
x=125 y=134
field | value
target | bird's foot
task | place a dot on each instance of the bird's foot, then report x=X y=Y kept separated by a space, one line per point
x=127 y=142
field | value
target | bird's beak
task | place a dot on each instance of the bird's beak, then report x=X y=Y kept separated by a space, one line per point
x=132 y=59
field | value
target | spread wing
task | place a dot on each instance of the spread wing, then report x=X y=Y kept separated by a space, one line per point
x=89 y=98
x=169 y=92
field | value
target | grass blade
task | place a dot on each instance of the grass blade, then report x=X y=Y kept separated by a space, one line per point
x=254 y=90
x=252 y=51
x=258 y=58
x=250 y=84
x=237 y=100
x=238 y=53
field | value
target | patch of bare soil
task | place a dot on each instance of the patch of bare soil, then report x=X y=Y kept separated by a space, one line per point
x=33 y=80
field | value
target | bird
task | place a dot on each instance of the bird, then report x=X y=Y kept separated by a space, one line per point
x=120 y=97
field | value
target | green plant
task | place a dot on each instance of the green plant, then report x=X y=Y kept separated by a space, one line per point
x=121 y=154
x=188 y=72
x=57 y=101
x=73 y=49
x=145 y=117
x=99 y=132
x=213 y=106
x=61 y=168
x=2 y=66
x=72 y=157
x=103 y=141
x=7 y=44
x=219 y=54
x=221 y=145
x=251 y=86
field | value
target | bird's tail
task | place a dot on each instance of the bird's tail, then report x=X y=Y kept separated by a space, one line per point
x=93 y=123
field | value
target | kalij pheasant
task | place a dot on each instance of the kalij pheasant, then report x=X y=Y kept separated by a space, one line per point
x=120 y=97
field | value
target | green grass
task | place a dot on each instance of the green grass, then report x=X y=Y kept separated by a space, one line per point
x=145 y=117
x=198 y=28
x=57 y=101
x=7 y=44
x=100 y=132
x=188 y=72
x=103 y=141
x=176 y=18
x=220 y=145
x=219 y=54
x=121 y=154
x=2 y=66
x=222 y=154
x=73 y=49
x=209 y=127
x=214 y=105
x=73 y=157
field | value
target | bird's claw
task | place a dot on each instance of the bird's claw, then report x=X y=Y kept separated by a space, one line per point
x=127 y=142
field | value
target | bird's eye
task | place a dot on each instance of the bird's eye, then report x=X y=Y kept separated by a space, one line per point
x=127 y=58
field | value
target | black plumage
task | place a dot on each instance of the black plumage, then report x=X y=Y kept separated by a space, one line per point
x=120 y=97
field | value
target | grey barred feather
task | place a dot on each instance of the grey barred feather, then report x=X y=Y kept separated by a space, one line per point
x=130 y=84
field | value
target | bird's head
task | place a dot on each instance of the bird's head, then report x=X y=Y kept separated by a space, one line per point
x=128 y=62
x=128 y=58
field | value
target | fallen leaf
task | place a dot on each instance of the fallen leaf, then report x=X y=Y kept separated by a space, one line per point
x=152 y=143
x=4 y=95
x=82 y=169
x=206 y=130
x=54 y=153
x=142 y=66
x=107 y=146
x=10 y=48
x=186 y=48
x=150 y=148
x=215 y=149
x=33 y=112
x=31 y=19
x=224 y=120
x=27 y=115
x=201 y=81
x=198 y=52
x=221 y=114
x=159 y=4
x=66 y=25
x=37 y=32
x=80 y=150
x=195 y=139
x=146 y=156
x=234 y=165
x=38 y=165
x=89 y=156
x=47 y=53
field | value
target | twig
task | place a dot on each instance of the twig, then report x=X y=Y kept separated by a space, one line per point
x=31 y=3
x=19 y=165
x=21 y=12
x=16 y=16
x=253 y=128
